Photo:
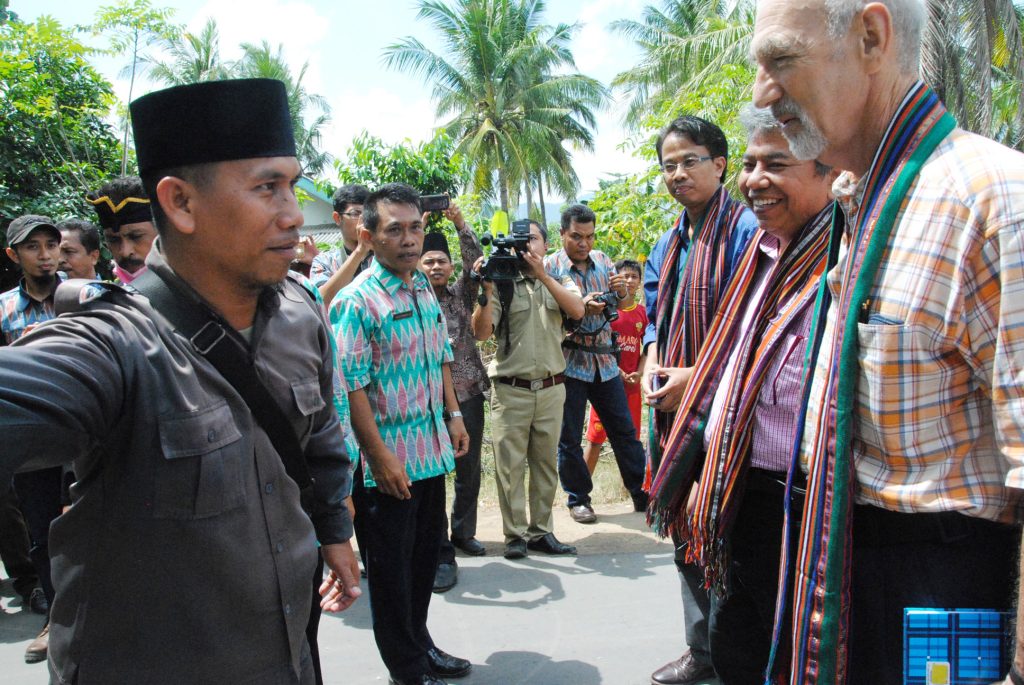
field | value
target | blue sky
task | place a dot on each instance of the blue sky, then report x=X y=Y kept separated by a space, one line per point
x=343 y=40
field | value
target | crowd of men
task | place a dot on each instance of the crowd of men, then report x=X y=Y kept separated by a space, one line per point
x=832 y=362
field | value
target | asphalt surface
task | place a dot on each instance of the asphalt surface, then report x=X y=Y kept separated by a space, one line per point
x=609 y=616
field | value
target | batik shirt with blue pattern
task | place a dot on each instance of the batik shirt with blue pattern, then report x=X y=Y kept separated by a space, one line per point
x=394 y=342
x=581 y=365
x=18 y=311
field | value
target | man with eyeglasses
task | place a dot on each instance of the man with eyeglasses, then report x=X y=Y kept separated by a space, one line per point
x=684 y=279
x=333 y=269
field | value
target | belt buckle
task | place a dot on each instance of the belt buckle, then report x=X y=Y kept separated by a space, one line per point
x=537 y=385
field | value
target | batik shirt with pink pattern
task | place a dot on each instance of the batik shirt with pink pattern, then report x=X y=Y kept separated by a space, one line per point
x=393 y=342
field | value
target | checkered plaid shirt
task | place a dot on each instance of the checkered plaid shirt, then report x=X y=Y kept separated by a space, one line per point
x=940 y=395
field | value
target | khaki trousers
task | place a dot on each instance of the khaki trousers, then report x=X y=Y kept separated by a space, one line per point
x=525 y=426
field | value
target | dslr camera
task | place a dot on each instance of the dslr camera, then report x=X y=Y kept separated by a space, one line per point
x=611 y=305
x=505 y=261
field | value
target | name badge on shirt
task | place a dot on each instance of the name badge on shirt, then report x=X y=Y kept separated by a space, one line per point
x=402 y=315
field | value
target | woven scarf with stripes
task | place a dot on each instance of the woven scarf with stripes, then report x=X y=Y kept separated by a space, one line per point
x=821 y=569
x=687 y=304
x=790 y=283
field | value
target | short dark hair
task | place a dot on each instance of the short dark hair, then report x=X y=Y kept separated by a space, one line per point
x=88 y=232
x=198 y=175
x=581 y=214
x=351 y=194
x=700 y=132
x=393 y=193
x=631 y=264
x=541 y=228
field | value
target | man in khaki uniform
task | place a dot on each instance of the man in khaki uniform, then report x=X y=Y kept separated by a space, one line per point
x=527 y=375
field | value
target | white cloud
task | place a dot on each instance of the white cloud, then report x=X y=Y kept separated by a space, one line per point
x=382 y=112
x=295 y=24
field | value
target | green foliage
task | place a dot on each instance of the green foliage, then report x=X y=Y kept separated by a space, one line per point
x=428 y=167
x=55 y=144
x=431 y=167
x=128 y=28
x=632 y=213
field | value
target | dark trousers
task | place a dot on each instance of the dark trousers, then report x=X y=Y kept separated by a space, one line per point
x=944 y=560
x=14 y=544
x=313 y=625
x=742 y=620
x=467 y=479
x=696 y=605
x=609 y=401
x=400 y=542
x=39 y=493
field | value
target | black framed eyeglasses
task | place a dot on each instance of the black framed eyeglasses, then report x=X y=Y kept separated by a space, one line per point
x=688 y=164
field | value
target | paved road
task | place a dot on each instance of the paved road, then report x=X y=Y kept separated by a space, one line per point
x=603 y=618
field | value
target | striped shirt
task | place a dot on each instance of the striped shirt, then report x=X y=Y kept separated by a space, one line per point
x=581 y=365
x=940 y=395
x=773 y=426
x=19 y=310
x=393 y=343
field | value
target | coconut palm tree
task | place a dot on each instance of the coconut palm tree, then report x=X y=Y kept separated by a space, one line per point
x=686 y=44
x=263 y=61
x=507 y=88
x=193 y=57
x=974 y=59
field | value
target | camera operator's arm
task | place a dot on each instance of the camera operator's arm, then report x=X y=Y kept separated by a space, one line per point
x=469 y=245
x=483 y=315
x=569 y=301
x=343 y=276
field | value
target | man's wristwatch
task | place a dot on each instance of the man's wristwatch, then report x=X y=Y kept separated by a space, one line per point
x=449 y=415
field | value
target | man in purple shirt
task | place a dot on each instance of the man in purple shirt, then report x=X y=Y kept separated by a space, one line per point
x=741 y=406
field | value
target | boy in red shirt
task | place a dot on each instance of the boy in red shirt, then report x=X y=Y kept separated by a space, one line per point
x=630 y=327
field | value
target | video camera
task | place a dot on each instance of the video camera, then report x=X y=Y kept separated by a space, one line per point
x=505 y=262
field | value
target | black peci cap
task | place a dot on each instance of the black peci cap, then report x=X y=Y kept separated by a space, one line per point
x=213 y=121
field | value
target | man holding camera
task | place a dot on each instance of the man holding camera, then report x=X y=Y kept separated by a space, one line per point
x=525 y=311
x=592 y=369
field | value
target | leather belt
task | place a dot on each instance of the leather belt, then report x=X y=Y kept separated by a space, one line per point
x=536 y=385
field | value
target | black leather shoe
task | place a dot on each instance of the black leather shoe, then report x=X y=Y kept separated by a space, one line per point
x=470 y=546
x=445 y=665
x=425 y=679
x=37 y=601
x=640 y=501
x=445 y=577
x=549 y=544
x=685 y=670
x=515 y=549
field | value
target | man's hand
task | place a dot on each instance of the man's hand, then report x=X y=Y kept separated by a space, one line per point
x=691 y=501
x=459 y=435
x=534 y=265
x=630 y=378
x=487 y=286
x=593 y=307
x=454 y=215
x=341 y=587
x=306 y=250
x=673 y=384
x=390 y=476
x=618 y=283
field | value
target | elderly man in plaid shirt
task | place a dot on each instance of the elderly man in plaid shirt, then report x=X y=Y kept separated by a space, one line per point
x=914 y=430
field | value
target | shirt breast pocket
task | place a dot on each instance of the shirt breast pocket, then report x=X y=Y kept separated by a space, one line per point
x=201 y=472
x=900 y=391
x=786 y=376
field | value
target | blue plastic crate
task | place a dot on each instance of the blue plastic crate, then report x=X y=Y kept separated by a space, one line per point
x=955 y=646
